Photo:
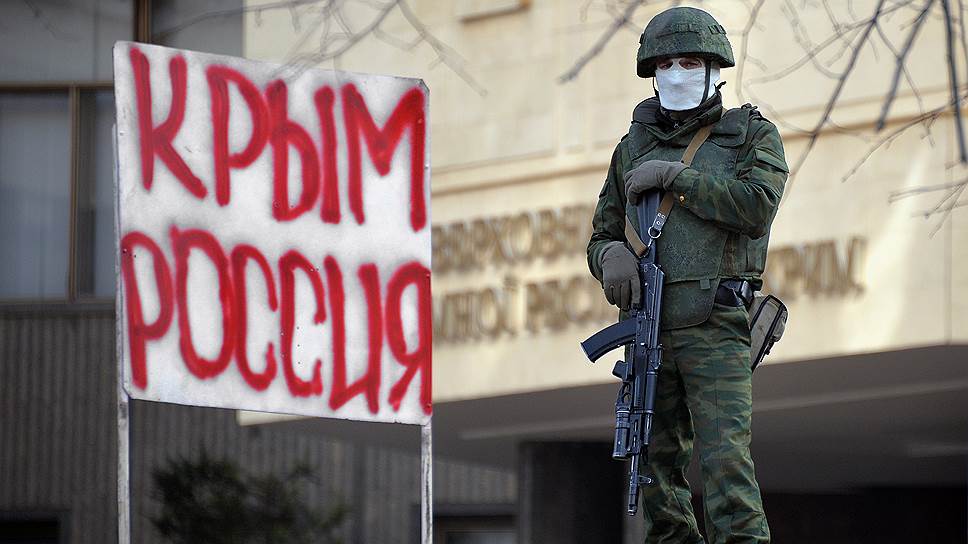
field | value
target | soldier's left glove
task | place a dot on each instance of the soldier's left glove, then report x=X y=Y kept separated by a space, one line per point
x=650 y=175
x=620 y=276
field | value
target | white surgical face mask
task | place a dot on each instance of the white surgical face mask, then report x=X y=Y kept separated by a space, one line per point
x=681 y=89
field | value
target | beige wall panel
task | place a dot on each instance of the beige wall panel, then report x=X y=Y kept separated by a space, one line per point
x=607 y=89
x=525 y=360
x=903 y=268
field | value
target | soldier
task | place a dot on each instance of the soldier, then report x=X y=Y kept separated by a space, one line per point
x=713 y=252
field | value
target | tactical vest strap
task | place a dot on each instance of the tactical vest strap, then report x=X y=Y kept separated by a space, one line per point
x=638 y=246
x=668 y=200
x=700 y=137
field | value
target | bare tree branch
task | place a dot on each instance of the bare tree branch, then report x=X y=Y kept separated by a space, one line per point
x=923 y=119
x=963 y=32
x=953 y=79
x=904 y=193
x=832 y=101
x=836 y=57
x=47 y=23
x=901 y=63
x=811 y=53
x=902 y=68
x=602 y=41
x=333 y=43
x=445 y=54
x=303 y=61
x=744 y=45
x=231 y=12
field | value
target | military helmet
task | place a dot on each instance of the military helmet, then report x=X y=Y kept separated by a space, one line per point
x=681 y=32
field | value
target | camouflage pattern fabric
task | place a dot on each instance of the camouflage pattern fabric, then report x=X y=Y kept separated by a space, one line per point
x=705 y=395
x=719 y=228
x=682 y=31
x=725 y=202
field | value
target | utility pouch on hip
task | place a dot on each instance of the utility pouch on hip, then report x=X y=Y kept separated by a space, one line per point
x=768 y=317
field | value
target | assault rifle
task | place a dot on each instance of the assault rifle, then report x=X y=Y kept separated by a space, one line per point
x=635 y=405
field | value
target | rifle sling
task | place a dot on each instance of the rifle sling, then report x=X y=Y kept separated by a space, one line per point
x=668 y=199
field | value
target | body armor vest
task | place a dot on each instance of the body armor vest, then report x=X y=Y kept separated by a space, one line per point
x=694 y=253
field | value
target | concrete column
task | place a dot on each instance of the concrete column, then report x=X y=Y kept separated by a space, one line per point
x=569 y=493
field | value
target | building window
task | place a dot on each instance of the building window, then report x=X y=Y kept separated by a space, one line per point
x=56 y=132
x=46 y=41
x=94 y=239
x=56 y=163
x=56 y=191
x=34 y=194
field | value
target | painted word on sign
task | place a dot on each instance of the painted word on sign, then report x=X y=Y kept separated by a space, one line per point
x=274 y=236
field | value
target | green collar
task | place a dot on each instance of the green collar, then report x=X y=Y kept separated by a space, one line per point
x=665 y=129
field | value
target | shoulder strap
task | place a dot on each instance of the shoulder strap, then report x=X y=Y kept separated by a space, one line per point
x=668 y=200
x=697 y=140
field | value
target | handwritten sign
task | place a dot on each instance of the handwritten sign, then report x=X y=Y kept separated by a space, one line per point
x=274 y=236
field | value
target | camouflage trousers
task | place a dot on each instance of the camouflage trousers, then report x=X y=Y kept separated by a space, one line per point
x=705 y=393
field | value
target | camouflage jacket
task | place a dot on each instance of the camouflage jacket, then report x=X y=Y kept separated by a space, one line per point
x=725 y=202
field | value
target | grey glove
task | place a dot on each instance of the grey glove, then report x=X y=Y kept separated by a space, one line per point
x=650 y=175
x=620 y=276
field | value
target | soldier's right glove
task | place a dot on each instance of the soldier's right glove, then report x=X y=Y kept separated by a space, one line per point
x=620 y=276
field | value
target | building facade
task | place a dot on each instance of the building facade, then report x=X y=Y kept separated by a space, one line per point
x=860 y=413
x=864 y=397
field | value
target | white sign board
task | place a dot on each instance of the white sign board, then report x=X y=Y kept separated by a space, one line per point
x=274 y=235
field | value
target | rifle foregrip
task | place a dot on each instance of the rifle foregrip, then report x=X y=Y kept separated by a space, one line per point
x=620 y=445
